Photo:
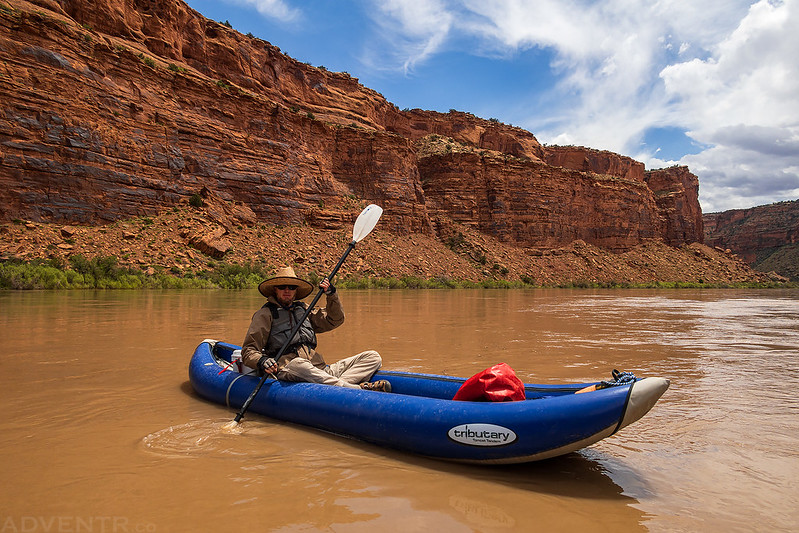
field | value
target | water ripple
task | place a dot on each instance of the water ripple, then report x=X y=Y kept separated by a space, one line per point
x=202 y=438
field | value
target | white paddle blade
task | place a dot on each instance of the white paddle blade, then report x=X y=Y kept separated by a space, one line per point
x=366 y=222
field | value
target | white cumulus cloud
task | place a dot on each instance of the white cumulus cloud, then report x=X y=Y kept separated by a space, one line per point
x=742 y=102
x=275 y=9
x=723 y=71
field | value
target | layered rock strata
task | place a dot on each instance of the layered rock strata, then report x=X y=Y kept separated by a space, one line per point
x=116 y=109
x=536 y=205
x=767 y=236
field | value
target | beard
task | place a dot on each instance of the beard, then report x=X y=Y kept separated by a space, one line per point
x=284 y=301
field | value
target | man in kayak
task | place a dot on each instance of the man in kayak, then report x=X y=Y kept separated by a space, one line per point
x=272 y=324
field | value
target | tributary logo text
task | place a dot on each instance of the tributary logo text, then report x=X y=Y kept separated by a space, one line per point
x=481 y=435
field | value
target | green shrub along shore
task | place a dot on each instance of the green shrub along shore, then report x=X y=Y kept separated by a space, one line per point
x=105 y=273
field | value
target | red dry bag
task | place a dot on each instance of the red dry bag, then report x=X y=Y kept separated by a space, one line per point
x=496 y=384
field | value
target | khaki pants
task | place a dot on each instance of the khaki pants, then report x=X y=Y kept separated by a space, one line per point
x=349 y=372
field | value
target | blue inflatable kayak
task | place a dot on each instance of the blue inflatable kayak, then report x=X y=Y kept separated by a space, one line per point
x=420 y=417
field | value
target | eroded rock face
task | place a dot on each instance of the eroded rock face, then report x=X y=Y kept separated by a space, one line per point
x=756 y=232
x=465 y=128
x=96 y=128
x=536 y=205
x=115 y=109
x=596 y=161
x=676 y=192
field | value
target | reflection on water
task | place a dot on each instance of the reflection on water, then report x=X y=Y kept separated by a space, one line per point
x=99 y=420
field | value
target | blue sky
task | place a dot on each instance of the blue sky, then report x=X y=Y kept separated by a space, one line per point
x=712 y=84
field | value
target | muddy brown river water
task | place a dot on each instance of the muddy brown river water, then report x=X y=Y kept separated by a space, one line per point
x=100 y=429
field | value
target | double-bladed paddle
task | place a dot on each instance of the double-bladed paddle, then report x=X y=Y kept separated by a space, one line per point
x=363 y=226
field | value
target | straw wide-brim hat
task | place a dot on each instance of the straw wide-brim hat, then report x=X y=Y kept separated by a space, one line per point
x=285 y=276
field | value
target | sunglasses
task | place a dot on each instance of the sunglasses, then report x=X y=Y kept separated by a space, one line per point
x=286 y=287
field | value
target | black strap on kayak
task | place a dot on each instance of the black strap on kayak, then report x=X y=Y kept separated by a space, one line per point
x=624 y=411
x=620 y=378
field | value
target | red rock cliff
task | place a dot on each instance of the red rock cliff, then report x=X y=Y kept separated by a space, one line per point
x=596 y=161
x=118 y=108
x=754 y=233
x=536 y=205
x=676 y=192
x=96 y=127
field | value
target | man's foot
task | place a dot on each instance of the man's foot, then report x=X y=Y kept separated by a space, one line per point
x=380 y=385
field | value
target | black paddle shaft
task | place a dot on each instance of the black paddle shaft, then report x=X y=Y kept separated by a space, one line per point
x=293 y=332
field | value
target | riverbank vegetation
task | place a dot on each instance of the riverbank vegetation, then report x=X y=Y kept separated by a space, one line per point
x=105 y=273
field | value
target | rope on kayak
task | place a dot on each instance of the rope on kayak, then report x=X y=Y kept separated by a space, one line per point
x=619 y=378
x=227 y=392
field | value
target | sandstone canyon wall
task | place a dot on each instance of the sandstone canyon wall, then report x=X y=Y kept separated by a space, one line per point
x=536 y=205
x=767 y=237
x=118 y=108
x=676 y=192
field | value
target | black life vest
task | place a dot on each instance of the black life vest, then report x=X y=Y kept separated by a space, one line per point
x=283 y=321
